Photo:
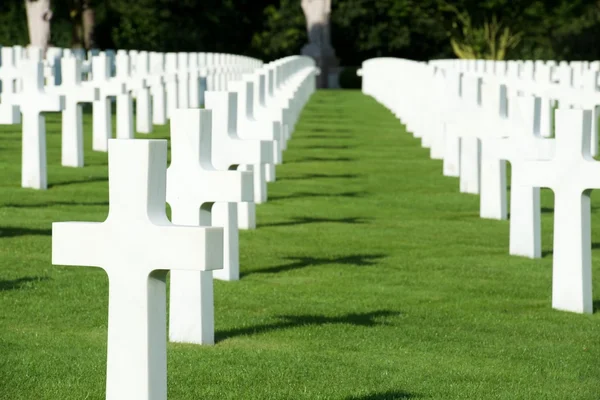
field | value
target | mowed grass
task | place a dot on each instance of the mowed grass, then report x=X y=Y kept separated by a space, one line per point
x=369 y=277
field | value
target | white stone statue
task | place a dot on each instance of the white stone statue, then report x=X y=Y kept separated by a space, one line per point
x=317 y=14
x=39 y=14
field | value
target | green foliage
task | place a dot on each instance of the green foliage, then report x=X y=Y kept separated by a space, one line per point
x=13 y=23
x=349 y=79
x=361 y=29
x=370 y=28
x=490 y=41
x=284 y=31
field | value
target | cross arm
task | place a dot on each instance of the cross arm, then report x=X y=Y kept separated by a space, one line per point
x=540 y=174
x=78 y=244
x=9 y=114
x=190 y=248
x=210 y=186
x=247 y=152
x=263 y=130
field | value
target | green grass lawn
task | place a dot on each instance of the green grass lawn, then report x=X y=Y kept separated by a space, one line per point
x=369 y=277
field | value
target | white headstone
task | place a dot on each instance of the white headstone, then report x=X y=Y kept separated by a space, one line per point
x=75 y=93
x=171 y=83
x=193 y=186
x=571 y=174
x=33 y=101
x=136 y=246
x=229 y=150
x=157 y=88
x=102 y=116
x=525 y=210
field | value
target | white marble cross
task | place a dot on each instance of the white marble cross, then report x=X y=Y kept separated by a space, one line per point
x=524 y=143
x=137 y=246
x=125 y=101
x=33 y=101
x=75 y=93
x=143 y=93
x=229 y=150
x=183 y=78
x=102 y=118
x=451 y=166
x=493 y=188
x=469 y=130
x=157 y=88
x=277 y=108
x=571 y=174
x=171 y=83
x=193 y=186
x=269 y=116
x=249 y=128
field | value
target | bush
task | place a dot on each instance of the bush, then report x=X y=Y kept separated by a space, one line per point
x=349 y=79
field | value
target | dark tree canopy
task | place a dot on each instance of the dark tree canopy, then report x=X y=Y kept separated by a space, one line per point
x=268 y=29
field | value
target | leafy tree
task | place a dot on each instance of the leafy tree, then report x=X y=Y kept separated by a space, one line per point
x=284 y=33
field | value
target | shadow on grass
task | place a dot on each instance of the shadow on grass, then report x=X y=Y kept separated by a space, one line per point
x=354 y=260
x=325 y=147
x=318 y=176
x=295 y=321
x=322 y=159
x=550 y=210
x=327 y=136
x=20 y=283
x=89 y=180
x=14 y=232
x=391 y=395
x=310 y=220
x=58 y=203
x=546 y=253
x=302 y=195
x=596 y=306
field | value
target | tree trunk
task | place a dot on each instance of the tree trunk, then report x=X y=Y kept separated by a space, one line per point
x=39 y=15
x=88 y=17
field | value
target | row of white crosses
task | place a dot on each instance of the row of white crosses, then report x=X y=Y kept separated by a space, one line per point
x=137 y=245
x=159 y=82
x=487 y=113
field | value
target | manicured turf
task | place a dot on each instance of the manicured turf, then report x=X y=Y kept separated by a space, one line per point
x=369 y=277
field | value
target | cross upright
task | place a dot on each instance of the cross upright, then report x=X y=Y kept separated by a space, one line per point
x=75 y=94
x=451 y=114
x=102 y=118
x=143 y=94
x=272 y=102
x=172 y=83
x=492 y=200
x=125 y=101
x=250 y=128
x=194 y=73
x=33 y=101
x=263 y=113
x=572 y=173
x=469 y=129
x=523 y=143
x=193 y=186
x=183 y=77
x=137 y=246
x=157 y=88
